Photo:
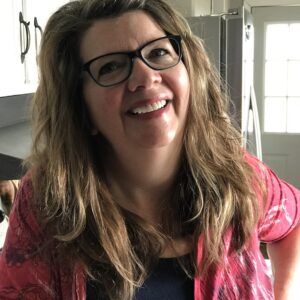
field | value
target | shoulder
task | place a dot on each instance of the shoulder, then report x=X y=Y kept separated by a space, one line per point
x=24 y=235
x=258 y=167
x=28 y=263
x=274 y=185
x=280 y=202
x=22 y=211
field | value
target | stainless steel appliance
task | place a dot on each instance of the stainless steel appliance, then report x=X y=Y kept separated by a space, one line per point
x=229 y=41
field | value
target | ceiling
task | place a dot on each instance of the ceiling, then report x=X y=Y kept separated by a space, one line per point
x=273 y=2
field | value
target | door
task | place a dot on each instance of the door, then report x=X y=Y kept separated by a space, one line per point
x=277 y=83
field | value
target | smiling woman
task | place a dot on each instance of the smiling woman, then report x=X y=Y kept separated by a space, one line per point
x=137 y=185
x=129 y=115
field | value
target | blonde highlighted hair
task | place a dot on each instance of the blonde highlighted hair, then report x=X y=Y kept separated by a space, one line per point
x=72 y=198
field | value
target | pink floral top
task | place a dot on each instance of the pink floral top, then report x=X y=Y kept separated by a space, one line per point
x=25 y=274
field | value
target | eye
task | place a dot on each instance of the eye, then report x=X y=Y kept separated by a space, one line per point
x=158 y=52
x=110 y=67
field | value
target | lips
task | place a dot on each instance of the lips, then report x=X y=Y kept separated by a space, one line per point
x=149 y=107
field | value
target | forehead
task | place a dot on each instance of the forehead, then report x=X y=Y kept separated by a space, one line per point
x=123 y=33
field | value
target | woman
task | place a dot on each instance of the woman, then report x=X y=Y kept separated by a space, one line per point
x=135 y=164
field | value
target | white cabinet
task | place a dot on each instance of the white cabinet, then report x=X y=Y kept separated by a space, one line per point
x=12 y=71
x=20 y=21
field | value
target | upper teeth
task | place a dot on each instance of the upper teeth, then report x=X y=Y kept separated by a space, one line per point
x=150 y=107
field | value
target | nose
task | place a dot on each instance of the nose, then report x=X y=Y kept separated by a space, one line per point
x=142 y=76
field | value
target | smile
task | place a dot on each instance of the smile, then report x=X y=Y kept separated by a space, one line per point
x=150 y=107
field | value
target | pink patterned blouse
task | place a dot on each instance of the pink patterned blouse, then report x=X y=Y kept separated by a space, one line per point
x=25 y=274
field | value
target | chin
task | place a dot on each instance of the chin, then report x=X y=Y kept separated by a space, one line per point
x=170 y=138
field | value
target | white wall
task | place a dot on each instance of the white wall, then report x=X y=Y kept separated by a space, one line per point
x=206 y=7
x=192 y=7
x=273 y=2
x=183 y=6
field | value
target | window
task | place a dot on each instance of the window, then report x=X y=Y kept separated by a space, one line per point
x=282 y=78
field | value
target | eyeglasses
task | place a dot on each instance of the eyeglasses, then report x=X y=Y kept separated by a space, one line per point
x=111 y=69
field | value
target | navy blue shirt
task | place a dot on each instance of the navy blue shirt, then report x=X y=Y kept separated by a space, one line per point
x=167 y=281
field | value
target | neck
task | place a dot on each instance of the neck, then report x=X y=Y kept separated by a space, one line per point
x=142 y=182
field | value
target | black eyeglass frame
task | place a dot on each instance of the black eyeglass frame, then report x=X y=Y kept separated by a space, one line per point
x=132 y=55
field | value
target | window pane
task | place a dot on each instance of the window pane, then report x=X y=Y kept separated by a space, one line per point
x=275 y=78
x=293 y=121
x=294 y=41
x=277 y=41
x=294 y=78
x=275 y=114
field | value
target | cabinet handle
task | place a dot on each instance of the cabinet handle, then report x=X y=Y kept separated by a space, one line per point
x=37 y=26
x=27 y=45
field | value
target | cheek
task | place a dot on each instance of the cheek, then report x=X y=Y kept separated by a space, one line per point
x=95 y=105
x=184 y=82
x=103 y=108
x=183 y=87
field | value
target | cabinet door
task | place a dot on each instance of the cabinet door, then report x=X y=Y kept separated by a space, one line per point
x=38 y=12
x=18 y=73
x=13 y=70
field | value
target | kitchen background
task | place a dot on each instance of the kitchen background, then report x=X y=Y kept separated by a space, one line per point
x=274 y=65
x=276 y=74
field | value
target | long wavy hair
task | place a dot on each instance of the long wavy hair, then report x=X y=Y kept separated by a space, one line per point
x=213 y=189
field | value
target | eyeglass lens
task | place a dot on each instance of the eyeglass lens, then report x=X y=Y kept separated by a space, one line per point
x=114 y=68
